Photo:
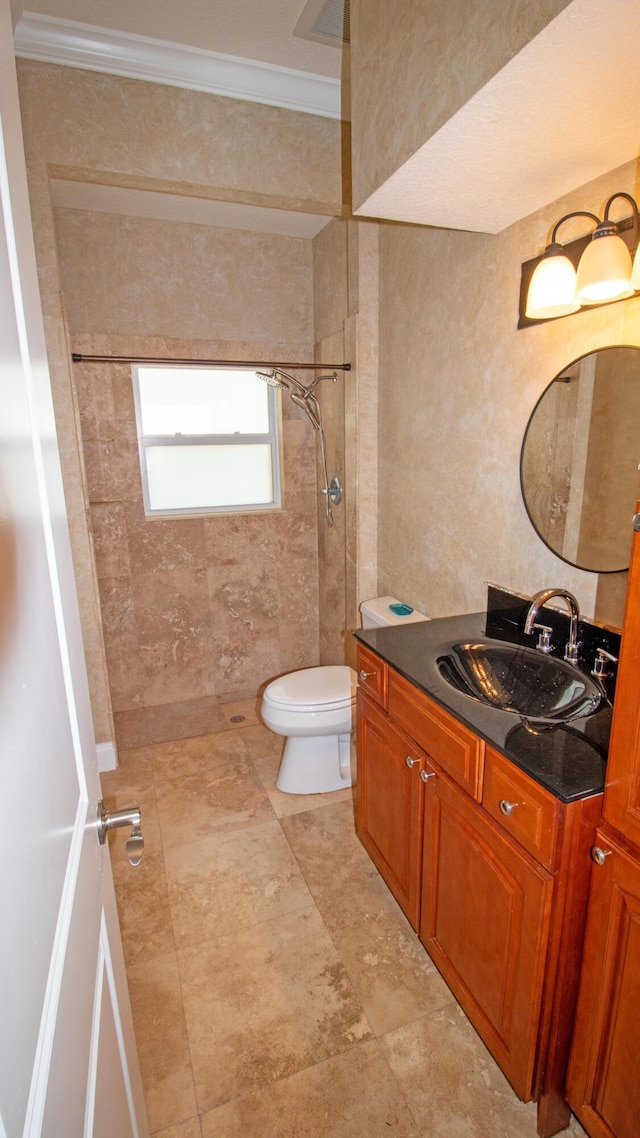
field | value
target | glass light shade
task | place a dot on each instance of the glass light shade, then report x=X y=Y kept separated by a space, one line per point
x=635 y=275
x=552 y=289
x=604 y=272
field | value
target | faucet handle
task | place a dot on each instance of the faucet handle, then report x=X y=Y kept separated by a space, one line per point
x=544 y=639
x=600 y=663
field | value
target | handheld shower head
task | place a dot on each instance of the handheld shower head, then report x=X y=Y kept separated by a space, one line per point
x=270 y=378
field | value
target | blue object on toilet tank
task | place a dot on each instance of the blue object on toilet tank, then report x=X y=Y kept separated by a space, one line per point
x=401 y=610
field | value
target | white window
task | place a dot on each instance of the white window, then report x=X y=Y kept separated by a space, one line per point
x=208 y=440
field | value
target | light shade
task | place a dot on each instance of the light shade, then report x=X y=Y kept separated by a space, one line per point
x=604 y=272
x=552 y=289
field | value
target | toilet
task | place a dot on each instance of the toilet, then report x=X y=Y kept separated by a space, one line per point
x=314 y=709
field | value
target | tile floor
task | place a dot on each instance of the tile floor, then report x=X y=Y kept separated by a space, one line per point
x=277 y=989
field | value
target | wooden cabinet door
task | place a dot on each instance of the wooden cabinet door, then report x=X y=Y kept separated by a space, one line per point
x=485 y=922
x=603 y=1086
x=390 y=804
x=622 y=793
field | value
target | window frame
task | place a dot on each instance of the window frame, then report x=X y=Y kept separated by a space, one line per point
x=273 y=439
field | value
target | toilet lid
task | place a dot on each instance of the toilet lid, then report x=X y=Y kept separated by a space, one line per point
x=314 y=687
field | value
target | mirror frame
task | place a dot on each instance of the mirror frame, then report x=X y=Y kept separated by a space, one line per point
x=585 y=355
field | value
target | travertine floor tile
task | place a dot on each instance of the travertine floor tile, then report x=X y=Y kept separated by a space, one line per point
x=267 y=764
x=231 y=881
x=189 y=1129
x=245 y=707
x=345 y=884
x=260 y=741
x=351 y=1096
x=391 y=972
x=134 y=772
x=226 y=796
x=451 y=1083
x=143 y=907
x=194 y=756
x=267 y=1002
x=158 y=1017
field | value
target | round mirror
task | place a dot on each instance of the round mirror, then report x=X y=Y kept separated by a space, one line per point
x=579 y=461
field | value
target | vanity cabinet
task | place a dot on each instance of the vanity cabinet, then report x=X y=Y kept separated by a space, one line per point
x=390 y=804
x=603 y=1086
x=603 y=1075
x=485 y=921
x=490 y=868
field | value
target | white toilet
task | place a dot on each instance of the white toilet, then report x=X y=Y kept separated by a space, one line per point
x=315 y=709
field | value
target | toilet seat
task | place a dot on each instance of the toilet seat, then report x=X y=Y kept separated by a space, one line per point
x=313 y=690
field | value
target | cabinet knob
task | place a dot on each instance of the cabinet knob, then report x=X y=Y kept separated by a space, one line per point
x=426 y=775
x=411 y=762
x=507 y=808
x=362 y=676
x=599 y=856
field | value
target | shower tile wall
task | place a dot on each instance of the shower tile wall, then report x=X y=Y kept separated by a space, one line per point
x=197 y=612
x=330 y=294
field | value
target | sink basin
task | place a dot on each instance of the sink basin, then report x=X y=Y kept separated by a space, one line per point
x=511 y=677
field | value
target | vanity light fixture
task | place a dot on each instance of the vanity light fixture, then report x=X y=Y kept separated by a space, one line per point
x=593 y=270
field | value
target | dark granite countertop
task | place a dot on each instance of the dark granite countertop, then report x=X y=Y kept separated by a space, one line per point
x=569 y=760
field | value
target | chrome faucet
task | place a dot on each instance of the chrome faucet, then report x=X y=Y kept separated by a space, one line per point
x=540 y=599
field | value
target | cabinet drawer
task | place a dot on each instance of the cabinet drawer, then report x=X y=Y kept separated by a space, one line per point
x=522 y=807
x=373 y=675
x=451 y=745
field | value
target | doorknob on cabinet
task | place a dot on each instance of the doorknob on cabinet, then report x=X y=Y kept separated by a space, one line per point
x=411 y=762
x=599 y=856
x=426 y=775
x=113 y=819
x=362 y=675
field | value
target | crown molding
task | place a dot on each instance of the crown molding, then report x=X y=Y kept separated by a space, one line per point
x=51 y=40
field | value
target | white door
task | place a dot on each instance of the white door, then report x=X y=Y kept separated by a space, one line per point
x=67 y=1060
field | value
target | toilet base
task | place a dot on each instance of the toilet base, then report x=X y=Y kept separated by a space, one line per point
x=315 y=764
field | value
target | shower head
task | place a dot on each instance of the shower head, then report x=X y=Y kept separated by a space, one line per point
x=270 y=378
x=310 y=407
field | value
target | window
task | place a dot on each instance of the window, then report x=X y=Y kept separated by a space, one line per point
x=208 y=440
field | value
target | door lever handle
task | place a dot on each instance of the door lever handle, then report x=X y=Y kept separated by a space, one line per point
x=113 y=819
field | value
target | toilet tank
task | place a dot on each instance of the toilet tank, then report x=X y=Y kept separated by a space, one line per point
x=381 y=611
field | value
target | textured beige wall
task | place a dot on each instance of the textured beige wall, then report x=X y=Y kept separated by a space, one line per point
x=135 y=276
x=106 y=129
x=413 y=65
x=457 y=385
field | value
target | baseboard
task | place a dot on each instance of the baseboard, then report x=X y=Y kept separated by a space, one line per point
x=107 y=757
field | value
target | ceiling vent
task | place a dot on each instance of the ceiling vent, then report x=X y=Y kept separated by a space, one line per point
x=324 y=21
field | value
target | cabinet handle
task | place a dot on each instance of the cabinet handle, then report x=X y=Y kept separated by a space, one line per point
x=426 y=775
x=362 y=676
x=507 y=808
x=599 y=856
x=411 y=762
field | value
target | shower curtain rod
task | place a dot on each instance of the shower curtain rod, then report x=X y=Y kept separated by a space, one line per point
x=79 y=358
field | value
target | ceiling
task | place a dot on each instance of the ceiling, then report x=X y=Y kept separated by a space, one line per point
x=562 y=112
x=251 y=49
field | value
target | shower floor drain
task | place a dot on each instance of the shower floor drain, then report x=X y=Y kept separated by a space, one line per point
x=236 y=719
